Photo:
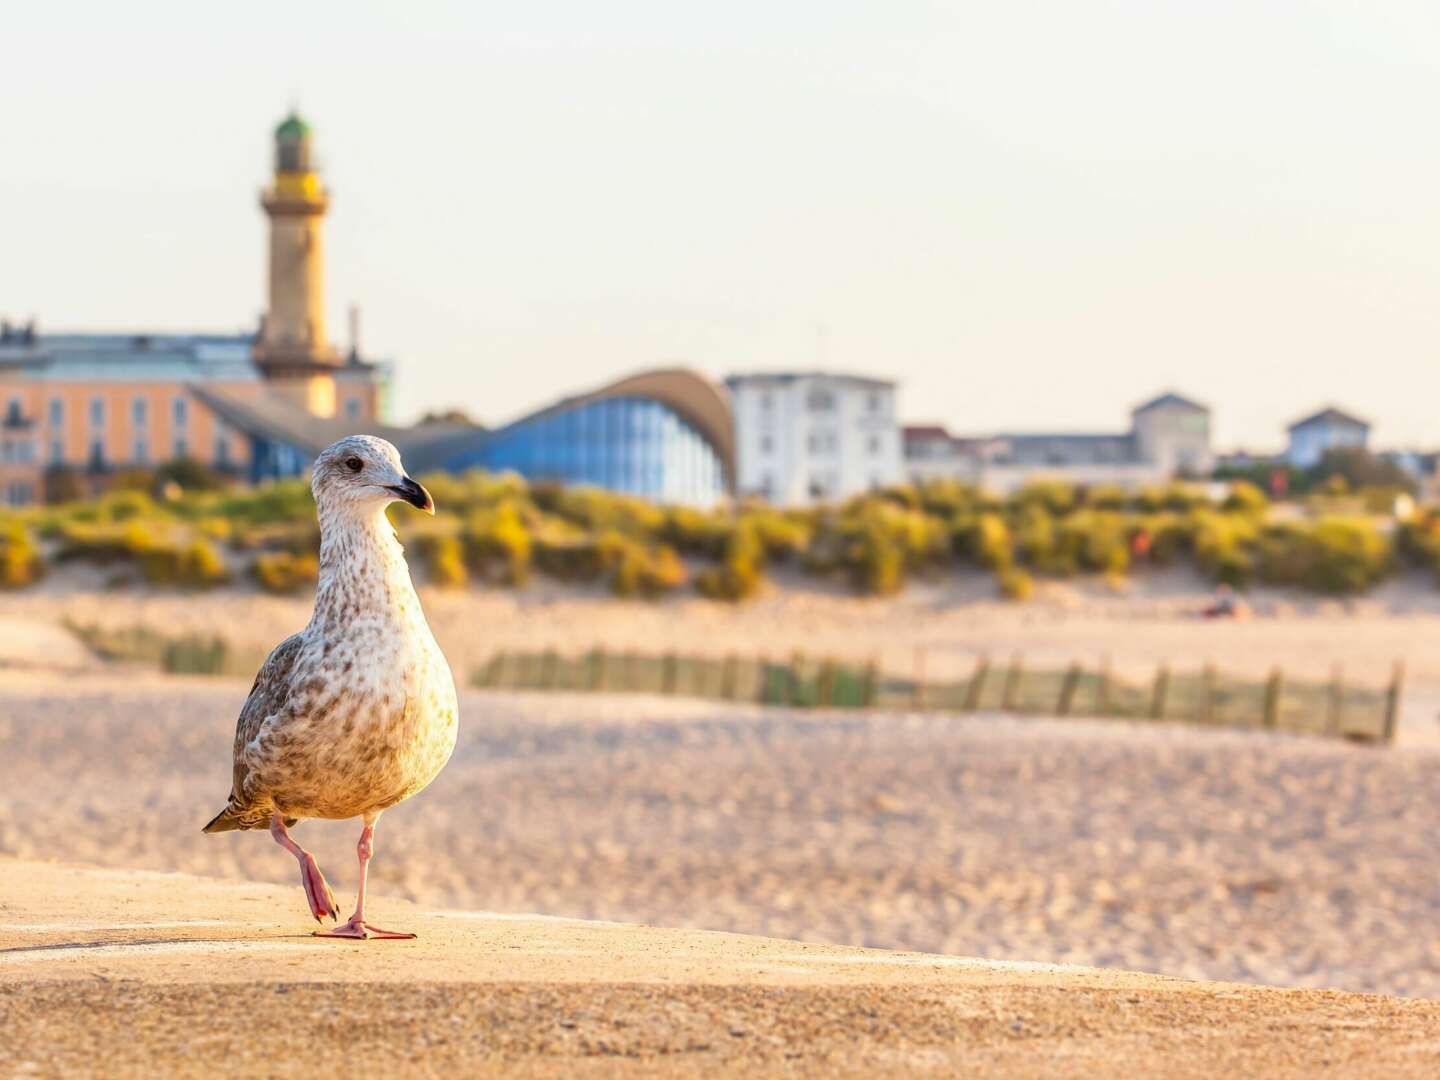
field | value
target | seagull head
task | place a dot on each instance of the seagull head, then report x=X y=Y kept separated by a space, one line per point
x=361 y=471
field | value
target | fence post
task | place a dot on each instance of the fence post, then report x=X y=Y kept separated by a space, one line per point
x=977 y=684
x=669 y=672
x=1102 y=691
x=1010 y=698
x=1067 y=691
x=1392 y=701
x=549 y=669
x=1273 y=689
x=797 y=664
x=917 y=696
x=826 y=689
x=1337 y=700
x=872 y=683
x=1207 y=694
x=730 y=677
x=1162 y=689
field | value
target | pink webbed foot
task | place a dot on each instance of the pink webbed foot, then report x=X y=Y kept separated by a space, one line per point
x=357 y=929
x=317 y=889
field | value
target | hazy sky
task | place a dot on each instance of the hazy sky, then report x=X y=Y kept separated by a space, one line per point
x=1033 y=215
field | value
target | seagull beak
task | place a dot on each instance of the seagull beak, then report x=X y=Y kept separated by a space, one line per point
x=413 y=494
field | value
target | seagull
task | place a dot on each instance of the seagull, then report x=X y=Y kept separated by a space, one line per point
x=356 y=712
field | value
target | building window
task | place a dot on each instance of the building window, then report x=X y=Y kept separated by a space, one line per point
x=97 y=412
x=352 y=408
x=57 y=412
x=222 y=450
x=822 y=442
x=817 y=487
x=140 y=412
x=142 y=451
x=182 y=448
x=97 y=454
x=57 y=451
x=180 y=411
x=767 y=444
x=820 y=400
x=12 y=413
x=765 y=400
x=874 y=444
x=872 y=401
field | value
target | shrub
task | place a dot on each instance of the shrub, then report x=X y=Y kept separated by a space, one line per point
x=447 y=562
x=1095 y=540
x=1245 y=498
x=283 y=572
x=740 y=574
x=195 y=564
x=497 y=544
x=986 y=540
x=1016 y=584
x=20 y=561
x=642 y=571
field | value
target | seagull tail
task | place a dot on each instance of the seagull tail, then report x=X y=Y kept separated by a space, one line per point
x=224 y=821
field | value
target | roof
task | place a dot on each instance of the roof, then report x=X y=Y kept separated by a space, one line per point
x=1062 y=449
x=1330 y=415
x=1170 y=400
x=131 y=357
x=796 y=376
x=292 y=129
x=925 y=431
x=270 y=416
x=695 y=398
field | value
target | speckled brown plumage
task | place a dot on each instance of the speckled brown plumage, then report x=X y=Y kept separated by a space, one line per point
x=356 y=712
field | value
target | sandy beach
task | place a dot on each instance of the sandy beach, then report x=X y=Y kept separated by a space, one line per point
x=1280 y=860
x=952 y=622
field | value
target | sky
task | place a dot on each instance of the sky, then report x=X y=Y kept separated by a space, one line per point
x=1032 y=215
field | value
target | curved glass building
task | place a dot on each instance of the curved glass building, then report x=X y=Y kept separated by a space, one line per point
x=663 y=435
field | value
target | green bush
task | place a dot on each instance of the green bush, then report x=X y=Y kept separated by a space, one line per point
x=642 y=571
x=195 y=564
x=447 y=563
x=20 y=561
x=283 y=572
x=1245 y=498
x=740 y=574
x=1016 y=584
x=497 y=544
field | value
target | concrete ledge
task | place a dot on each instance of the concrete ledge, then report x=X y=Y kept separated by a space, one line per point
x=128 y=973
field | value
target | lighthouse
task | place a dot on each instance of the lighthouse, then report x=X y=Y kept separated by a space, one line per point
x=293 y=350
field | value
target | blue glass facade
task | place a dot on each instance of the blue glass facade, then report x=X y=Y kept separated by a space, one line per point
x=630 y=444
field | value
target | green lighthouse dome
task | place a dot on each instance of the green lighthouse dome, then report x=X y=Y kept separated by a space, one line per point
x=292 y=129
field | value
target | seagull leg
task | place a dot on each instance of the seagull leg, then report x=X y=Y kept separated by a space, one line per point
x=317 y=890
x=357 y=928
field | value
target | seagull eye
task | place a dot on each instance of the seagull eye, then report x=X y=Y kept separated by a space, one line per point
x=354 y=464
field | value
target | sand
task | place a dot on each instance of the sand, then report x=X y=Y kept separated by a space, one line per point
x=126 y=974
x=953 y=621
x=1207 y=854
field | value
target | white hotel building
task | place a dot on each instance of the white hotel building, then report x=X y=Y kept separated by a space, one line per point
x=811 y=437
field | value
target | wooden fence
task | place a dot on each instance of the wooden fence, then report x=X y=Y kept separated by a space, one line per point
x=1206 y=697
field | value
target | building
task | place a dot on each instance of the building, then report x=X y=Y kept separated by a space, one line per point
x=1328 y=429
x=1169 y=436
x=76 y=408
x=810 y=437
x=663 y=435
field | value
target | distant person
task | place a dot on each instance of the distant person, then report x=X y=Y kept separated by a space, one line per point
x=1226 y=605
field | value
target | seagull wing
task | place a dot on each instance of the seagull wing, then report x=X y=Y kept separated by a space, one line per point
x=267 y=697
